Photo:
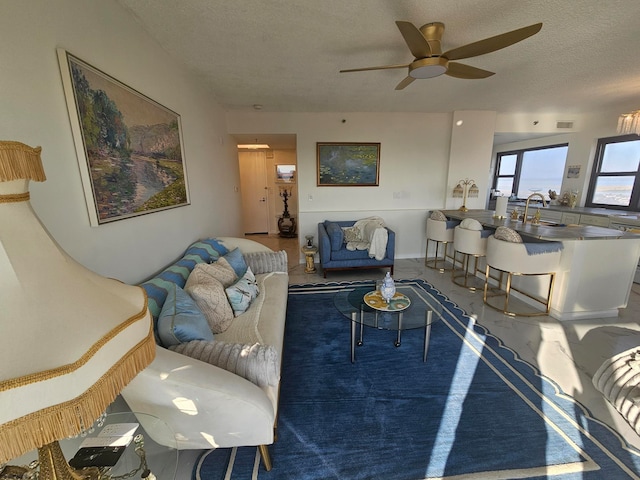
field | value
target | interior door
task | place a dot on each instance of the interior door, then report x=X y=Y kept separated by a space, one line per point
x=253 y=183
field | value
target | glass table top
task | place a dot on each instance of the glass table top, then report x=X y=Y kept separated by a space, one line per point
x=351 y=301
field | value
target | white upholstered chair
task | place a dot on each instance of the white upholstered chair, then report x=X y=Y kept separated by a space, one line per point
x=513 y=259
x=438 y=232
x=469 y=240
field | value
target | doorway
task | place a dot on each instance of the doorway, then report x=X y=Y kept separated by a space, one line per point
x=262 y=160
x=255 y=192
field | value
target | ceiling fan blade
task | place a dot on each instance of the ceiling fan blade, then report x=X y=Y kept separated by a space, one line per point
x=414 y=39
x=492 y=44
x=383 y=67
x=405 y=83
x=460 y=70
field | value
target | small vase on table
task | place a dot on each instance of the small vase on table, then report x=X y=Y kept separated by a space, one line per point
x=388 y=288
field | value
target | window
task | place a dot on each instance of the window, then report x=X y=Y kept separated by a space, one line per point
x=523 y=172
x=615 y=181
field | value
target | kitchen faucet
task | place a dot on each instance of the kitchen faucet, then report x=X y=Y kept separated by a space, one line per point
x=526 y=207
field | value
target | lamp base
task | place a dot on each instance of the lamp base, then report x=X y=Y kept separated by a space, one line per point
x=12 y=472
x=463 y=209
x=53 y=466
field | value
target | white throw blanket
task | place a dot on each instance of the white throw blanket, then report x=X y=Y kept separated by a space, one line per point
x=374 y=237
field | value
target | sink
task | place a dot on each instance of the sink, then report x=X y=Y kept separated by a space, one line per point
x=544 y=223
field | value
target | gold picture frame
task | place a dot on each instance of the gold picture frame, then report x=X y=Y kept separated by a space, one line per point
x=129 y=147
x=348 y=164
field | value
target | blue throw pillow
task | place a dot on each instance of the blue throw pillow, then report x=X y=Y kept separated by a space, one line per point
x=181 y=320
x=336 y=235
x=236 y=260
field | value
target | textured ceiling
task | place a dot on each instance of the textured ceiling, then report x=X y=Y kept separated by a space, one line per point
x=285 y=54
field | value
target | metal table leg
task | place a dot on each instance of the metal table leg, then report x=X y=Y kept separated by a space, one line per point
x=397 y=342
x=360 y=342
x=353 y=336
x=427 y=334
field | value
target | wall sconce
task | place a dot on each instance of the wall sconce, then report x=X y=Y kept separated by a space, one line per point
x=465 y=188
x=629 y=123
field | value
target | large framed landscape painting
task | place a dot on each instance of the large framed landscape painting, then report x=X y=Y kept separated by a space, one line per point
x=348 y=164
x=129 y=147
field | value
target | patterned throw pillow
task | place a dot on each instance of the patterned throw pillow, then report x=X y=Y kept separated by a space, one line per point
x=351 y=234
x=210 y=297
x=221 y=271
x=438 y=215
x=242 y=293
x=471 y=224
x=181 y=320
x=508 y=235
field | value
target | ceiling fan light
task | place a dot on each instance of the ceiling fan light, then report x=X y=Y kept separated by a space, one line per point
x=428 y=67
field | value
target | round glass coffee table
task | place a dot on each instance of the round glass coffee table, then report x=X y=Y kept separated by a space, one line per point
x=411 y=308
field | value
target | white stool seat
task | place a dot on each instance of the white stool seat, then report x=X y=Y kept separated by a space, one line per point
x=438 y=232
x=470 y=243
x=514 y=260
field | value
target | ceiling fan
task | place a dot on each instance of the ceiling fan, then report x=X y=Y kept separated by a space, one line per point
x=425 y=44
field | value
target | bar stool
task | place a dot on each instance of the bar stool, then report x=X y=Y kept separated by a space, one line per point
x=536 y=259
x=470 y=240
x=440 y=232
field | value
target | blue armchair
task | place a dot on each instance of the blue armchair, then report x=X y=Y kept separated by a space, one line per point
x=335 y=256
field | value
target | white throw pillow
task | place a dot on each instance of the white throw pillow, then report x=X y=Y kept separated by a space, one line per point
x=209 y=294
x=242 y=293
x=266 y=262
x=508 y=235
x=471 y=224
x=257 y=363
x=438 y=215
x=222 y=271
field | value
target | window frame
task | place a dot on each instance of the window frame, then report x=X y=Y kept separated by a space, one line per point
x=634 y=200
x=518 y=170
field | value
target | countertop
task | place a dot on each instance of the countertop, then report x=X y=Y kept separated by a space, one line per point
x=622 y=216
x=545 y=230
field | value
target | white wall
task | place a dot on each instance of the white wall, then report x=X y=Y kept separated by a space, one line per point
x=33 y=111
x=470 y=156
x=414 y=157
x=582 y=142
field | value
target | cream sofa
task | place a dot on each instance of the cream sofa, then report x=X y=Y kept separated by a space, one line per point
x=204 y=405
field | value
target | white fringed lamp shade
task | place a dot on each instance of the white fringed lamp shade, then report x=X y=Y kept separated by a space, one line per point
x=71 y=339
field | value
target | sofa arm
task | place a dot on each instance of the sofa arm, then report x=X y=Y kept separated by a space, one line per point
x=324 y=244
x=204 y=406
x=244 y=244
x=391 y=244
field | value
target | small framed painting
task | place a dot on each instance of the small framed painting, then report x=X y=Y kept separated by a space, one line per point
x=129 y=147
x=285 y=174
x=348 y=164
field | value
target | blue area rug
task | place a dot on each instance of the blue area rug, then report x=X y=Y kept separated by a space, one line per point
x=473 y=410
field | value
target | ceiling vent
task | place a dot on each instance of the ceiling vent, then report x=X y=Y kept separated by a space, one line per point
x=564 y=124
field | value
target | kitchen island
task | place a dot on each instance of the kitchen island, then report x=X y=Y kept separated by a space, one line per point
x=597 y=265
